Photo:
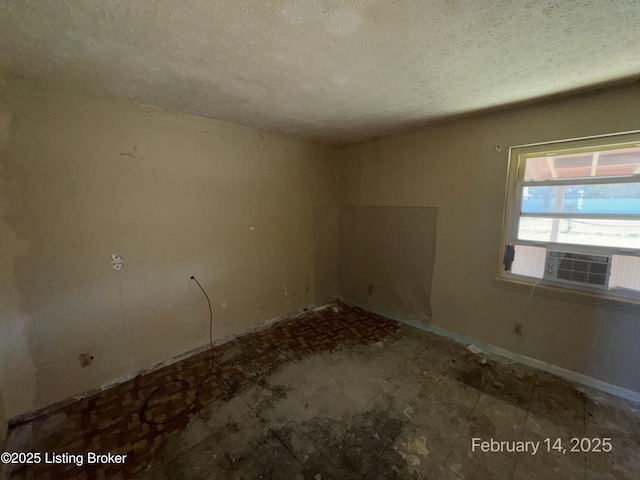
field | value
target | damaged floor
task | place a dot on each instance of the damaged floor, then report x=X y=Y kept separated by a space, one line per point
x=341 y=393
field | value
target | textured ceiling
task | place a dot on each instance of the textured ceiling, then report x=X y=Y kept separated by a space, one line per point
x=330 y=70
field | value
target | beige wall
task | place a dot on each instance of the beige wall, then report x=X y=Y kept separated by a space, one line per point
x=325 y=225
x=455 y=168
x=386 y=258
x=84 y=177
x=3 y=422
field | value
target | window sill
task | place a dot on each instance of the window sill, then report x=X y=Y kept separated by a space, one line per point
x=597 y=299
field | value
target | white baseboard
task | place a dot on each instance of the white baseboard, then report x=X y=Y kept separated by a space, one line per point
x=570 y=375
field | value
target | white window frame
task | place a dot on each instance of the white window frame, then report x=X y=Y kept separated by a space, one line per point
x=513 y=198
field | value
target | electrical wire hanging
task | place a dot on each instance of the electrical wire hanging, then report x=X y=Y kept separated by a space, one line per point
x=143 y=410
x=526 y=314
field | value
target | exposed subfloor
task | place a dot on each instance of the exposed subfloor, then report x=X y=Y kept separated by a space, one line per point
x=341 y=393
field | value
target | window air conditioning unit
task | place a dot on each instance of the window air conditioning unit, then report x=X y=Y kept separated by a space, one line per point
x=578 y=269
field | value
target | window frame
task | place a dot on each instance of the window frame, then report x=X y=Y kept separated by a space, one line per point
x=518 y=156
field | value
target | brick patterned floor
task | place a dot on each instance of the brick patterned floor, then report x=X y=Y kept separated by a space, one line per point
x=110 y=421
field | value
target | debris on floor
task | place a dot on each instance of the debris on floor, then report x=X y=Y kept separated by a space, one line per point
x=312 y=398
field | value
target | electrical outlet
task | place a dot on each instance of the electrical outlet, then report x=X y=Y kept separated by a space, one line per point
x=518 y=329
x=370 y=290
x=85 y=359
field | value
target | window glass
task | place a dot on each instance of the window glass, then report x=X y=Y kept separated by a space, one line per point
x=609 y=163
x=581 y=231
x=573 y=199
x=605 y=198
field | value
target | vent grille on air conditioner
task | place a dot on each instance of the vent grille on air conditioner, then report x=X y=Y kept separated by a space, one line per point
x=592 y=270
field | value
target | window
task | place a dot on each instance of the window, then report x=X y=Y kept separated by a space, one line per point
x=572 y=214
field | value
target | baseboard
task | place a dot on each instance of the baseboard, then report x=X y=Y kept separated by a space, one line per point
x=25 y=417
x=490 y=349
x=570 y=375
